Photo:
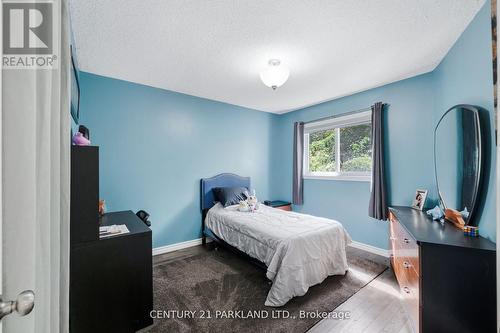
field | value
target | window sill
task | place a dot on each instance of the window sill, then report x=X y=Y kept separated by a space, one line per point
x=342 y=178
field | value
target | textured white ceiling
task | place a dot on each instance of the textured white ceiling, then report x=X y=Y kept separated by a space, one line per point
x=216 y=49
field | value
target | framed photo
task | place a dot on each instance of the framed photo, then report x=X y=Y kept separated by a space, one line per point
x=419 y=199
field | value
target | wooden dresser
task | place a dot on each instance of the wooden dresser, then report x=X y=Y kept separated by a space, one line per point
x=447 y=280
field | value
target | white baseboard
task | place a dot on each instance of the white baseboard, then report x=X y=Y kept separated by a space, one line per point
x=195 y=242
x=178 y=246
x=370 y=248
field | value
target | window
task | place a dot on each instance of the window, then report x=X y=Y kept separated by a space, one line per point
x=339 y=148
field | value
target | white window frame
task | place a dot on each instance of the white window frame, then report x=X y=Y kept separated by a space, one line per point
x=336 y=123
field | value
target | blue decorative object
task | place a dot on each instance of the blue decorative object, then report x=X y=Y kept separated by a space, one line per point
x=436 y=213
x=465 y=213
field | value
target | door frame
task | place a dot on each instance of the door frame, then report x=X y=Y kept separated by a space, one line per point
x=1 y=162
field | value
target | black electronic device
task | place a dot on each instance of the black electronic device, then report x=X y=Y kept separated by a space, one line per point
x=144 y=216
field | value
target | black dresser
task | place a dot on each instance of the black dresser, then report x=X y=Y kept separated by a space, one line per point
x=111 y=287
x=447 y=280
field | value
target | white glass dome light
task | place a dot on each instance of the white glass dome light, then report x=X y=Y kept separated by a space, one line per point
x=275 y=74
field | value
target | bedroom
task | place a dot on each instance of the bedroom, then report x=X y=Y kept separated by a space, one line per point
x=285 y=166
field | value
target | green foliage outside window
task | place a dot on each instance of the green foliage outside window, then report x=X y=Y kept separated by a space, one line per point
x=355 y=149
x=322 y=151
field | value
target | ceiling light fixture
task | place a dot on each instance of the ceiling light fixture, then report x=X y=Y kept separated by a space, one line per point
x=275 y=74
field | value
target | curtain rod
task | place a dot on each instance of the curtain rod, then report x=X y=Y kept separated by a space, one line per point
x=343 y=114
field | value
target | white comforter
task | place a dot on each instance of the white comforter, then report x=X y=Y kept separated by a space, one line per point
x=299 y=250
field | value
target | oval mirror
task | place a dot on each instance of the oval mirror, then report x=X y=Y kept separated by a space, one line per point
x=457 y=160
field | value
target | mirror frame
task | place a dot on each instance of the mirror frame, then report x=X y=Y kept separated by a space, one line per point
x=479 y=173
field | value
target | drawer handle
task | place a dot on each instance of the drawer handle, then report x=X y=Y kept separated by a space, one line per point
x=406 y=290
x=406 y=240
x=406 y=264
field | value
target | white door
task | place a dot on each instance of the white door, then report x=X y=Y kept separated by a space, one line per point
x=1 y=212
x=19 y=206
x=34 y=202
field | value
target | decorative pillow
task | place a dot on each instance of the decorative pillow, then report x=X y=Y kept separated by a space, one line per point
x=228 y=196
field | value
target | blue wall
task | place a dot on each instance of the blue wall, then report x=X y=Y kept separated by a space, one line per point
x=416 y=104
x=408 y=159
x=155 y=145
x=465 y=76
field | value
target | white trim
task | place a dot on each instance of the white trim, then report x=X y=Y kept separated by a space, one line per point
x=1 y=169
x=305 y=165
x=340 y=177
x=337 y=151
x=195 y=242
x=370 y=248
x=177 y=246
x=339 y=121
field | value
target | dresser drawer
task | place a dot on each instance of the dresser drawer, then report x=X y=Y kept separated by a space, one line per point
x=405 y=263
x=409 y=284
x=403 y=245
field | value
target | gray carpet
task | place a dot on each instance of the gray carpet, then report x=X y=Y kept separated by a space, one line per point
x=222 y=281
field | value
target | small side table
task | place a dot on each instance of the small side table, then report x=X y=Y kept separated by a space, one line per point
x=283 y=205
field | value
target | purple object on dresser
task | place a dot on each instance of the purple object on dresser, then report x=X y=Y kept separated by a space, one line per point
x=80 y=140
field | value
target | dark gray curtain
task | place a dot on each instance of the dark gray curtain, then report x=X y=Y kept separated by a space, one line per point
x=378 y=197
x=298 y=161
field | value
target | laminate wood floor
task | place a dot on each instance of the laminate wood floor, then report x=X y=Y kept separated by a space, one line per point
x=375 y=308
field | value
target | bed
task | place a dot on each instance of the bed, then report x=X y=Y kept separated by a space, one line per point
x=297 y=250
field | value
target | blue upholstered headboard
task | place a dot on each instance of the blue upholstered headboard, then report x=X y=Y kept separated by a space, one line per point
x=221 y=180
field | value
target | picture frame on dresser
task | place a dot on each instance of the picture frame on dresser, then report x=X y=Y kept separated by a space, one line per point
x=419 y=199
